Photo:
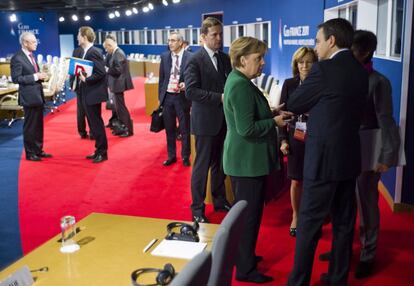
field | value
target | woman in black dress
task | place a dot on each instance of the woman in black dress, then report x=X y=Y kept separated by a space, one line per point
x=291 y=144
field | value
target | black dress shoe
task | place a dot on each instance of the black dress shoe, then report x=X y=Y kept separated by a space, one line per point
x=224 y=208
x=292 y=231
x=255 y=277
x=200 y=219
x=326 y=256
x=33 y=157
x=125 y=134
x=100 y=158
x=186 y=163
x=169 y=161
x=83 y=135
x=364 y=269
x=44 y=155
x=91 y=156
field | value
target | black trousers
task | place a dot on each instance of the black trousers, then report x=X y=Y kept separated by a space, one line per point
x=122 y=111
x=319 y=199
x=33 y=130
x=97 y=126
x=209 y=150
x=81 y=115
x=176 y=106
x=252 y=190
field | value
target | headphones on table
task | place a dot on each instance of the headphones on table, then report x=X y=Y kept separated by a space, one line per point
x=187 y=232
x=164 y=276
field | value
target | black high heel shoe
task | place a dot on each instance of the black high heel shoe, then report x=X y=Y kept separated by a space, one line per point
x=292 y=231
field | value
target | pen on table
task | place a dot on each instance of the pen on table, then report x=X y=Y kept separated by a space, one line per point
x=152 y=242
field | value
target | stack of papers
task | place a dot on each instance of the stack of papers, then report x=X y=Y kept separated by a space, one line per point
x=179 y=249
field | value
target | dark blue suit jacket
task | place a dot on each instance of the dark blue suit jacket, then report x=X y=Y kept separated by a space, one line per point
x=22 y=72
x=95 y=89
x=204 y=87
x=165 y=72
x=334 y=94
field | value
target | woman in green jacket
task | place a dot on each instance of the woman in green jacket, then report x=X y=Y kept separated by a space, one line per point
x=250 y=147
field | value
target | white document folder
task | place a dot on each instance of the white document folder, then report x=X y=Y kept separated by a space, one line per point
x=179 y=249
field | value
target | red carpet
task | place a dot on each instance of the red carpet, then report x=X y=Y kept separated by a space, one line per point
x=134 y=182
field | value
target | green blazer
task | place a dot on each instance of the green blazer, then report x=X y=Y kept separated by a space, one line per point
x=250 y=147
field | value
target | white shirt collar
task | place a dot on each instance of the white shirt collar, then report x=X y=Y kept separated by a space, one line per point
x=180 y=53
x=85 y=50
x=337 y=52
x=209 y=51
x=26 y=52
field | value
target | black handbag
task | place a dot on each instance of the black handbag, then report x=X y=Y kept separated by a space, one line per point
x=157 y=121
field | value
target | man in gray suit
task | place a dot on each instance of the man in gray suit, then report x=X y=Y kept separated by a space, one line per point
x=25 y=72
x=119 y=80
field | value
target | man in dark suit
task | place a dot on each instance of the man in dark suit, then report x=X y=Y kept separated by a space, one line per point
x=334 y=94
x=205 y=76
x=94 y=91
x=119 y=80
x=80 y=111
x=25 y=72
x=172 y=96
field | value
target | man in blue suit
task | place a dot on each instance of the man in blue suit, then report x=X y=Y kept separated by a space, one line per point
x=94 y=91
x=25 y=72
x=334 y=94
x=205 y=76
x=171 y=94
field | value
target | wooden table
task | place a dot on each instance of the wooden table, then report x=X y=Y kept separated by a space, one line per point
x=10 y=89
x=4 y=68
x=152 y=67
x=111 y=248
x=137 y=68
x=151 y=95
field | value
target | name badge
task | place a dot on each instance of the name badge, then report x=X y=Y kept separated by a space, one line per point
x=300 y=131
x=173 y=85
x=21 y=277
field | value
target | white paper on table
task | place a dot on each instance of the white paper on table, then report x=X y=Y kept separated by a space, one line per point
x=179 y=249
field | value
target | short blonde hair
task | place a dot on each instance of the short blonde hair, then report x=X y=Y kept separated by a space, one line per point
x=245 y=46
x=299 y=54
x=86 y=31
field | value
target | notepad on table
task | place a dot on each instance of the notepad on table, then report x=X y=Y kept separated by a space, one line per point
x=179 y=249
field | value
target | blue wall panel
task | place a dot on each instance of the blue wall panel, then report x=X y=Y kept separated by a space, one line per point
x=46 y=32
x=334 y=3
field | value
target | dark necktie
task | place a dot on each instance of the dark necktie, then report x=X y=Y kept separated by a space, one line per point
x=33 y=62
x=176 y=67
x=220 y=68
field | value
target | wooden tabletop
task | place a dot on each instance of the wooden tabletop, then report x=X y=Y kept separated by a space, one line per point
x=10 y=89
x=111 y=248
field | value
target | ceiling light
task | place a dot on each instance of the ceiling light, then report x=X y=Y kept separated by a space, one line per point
x=111 y=15
x=128 y=12
x=87 y=17
x=75 y=17
x=13 y=18
x=135 y=10
x=117 y=14
x=165 y=2
x=151 y=6
x=61 y=19
x=176 y=1
x=145 y=9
